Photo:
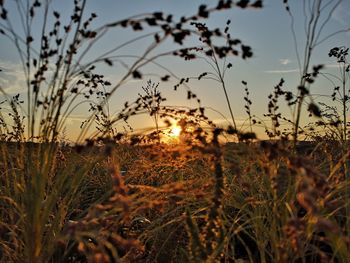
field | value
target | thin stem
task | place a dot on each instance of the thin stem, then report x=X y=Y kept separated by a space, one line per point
x=225 y=90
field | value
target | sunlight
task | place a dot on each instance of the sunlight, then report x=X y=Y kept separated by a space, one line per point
x=175 y=131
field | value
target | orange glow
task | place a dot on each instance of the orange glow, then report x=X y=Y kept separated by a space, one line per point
x=175 y=131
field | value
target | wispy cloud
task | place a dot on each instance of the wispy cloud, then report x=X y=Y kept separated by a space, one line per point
x=224 y=122
x=285 y=61
x=12 y=78
x=76 y=118
x=279 y=71
x=335 y=65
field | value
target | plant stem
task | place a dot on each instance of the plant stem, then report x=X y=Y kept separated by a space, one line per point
x=345 y=98
x=220 y=75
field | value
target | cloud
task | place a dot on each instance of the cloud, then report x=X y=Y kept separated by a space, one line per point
x=285 y=61
x=76 y=118
x=278 y=71
x=332 y=65
x=12 y=78
x=225 y=122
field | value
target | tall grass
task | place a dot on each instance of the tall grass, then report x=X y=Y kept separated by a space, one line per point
x=118 y=197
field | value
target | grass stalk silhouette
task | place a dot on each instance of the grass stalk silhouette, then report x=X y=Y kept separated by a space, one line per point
x=314 y=25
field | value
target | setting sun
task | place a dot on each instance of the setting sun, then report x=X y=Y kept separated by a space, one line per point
x=175 y=131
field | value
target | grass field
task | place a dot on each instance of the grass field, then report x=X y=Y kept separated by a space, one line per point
x=188 y=189
x=260 y=202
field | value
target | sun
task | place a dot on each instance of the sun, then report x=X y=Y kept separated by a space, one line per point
x=175 y=131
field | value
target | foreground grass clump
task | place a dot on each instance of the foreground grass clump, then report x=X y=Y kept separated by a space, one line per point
x=254 y=202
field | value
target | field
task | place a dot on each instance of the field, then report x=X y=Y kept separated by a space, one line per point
x=259 y=202
x=188 y=189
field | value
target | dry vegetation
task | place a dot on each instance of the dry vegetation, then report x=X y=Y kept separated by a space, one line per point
x=215 y=194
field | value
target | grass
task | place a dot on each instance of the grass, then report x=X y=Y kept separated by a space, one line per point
x=275 y=206
x=215 y=194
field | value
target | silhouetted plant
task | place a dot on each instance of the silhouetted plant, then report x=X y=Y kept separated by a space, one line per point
x=153 y=106
x=314 y=25
x=213 y=55
x=336 y=118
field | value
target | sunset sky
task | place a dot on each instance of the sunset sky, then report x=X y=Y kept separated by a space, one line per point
x=266 y=30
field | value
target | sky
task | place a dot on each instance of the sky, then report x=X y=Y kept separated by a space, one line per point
x=266 y=30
